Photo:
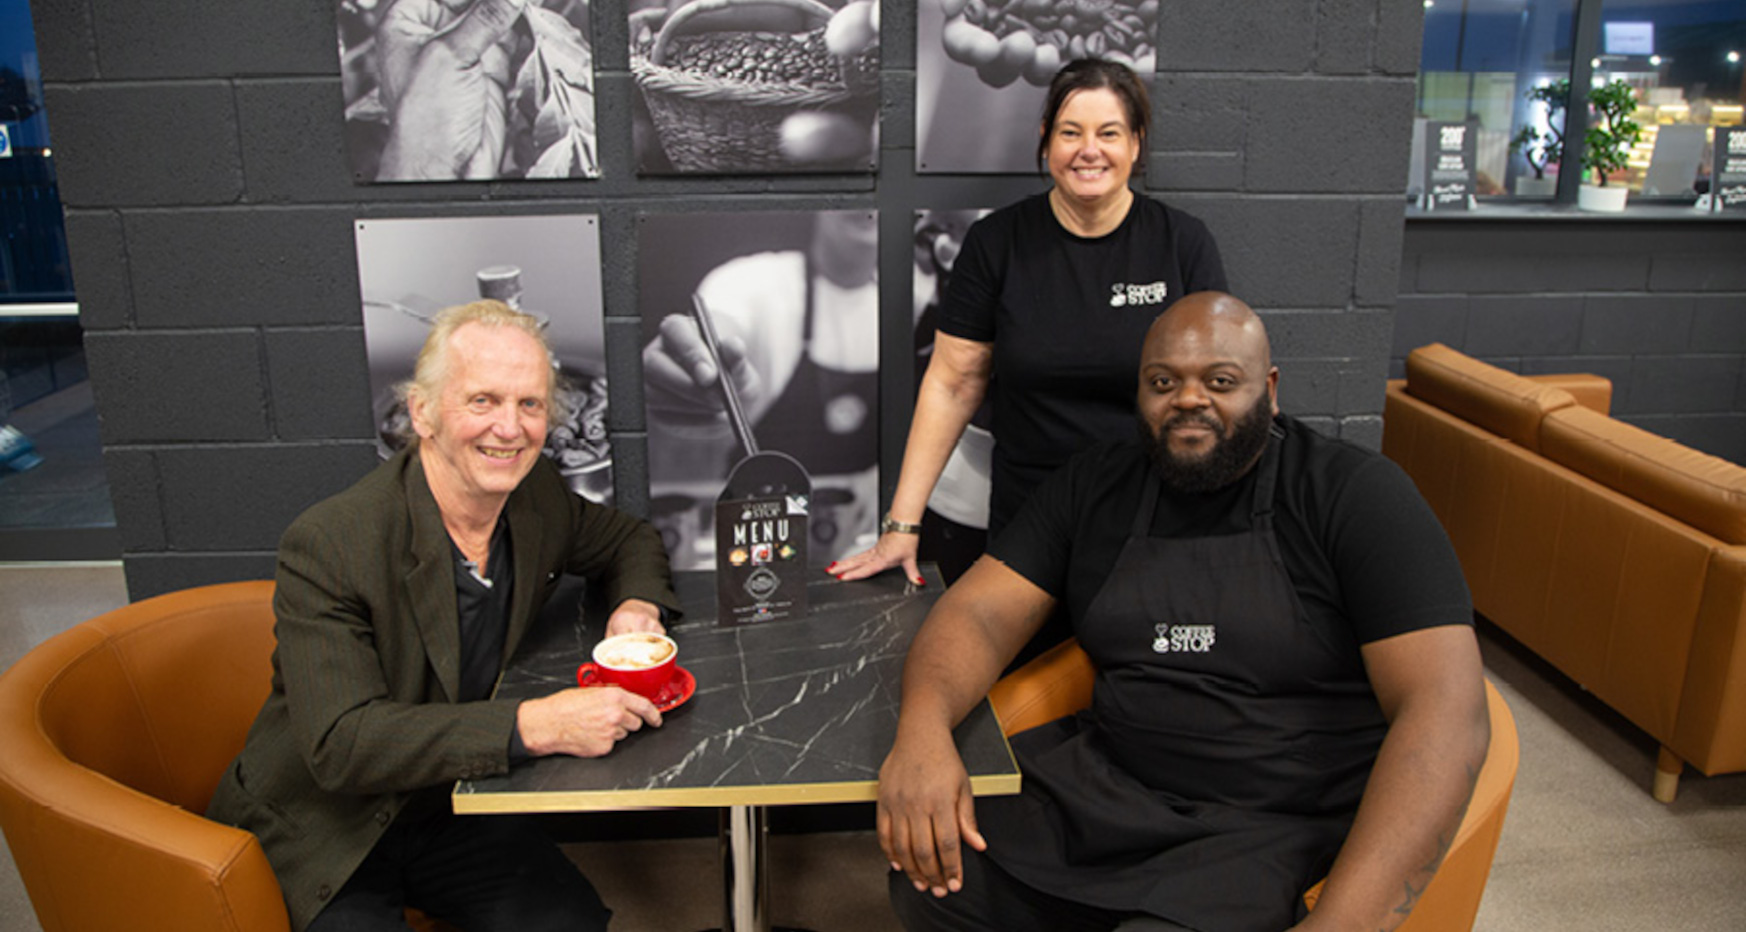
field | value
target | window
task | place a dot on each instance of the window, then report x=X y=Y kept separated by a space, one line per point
x=1504 y=67
x=1484 y=62
x=33 y=247
x=54 y=496
x=1682 y=57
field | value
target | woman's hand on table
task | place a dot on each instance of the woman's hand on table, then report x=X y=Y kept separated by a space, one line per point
x=635 y=615
x=583 y=722
x=894 y=548
x=926 y=812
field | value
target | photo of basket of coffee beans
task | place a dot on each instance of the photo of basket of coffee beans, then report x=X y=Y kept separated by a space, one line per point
x=760 y=85
x=1005 y=40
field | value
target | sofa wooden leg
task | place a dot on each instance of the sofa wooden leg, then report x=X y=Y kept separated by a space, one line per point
x=1667 y=769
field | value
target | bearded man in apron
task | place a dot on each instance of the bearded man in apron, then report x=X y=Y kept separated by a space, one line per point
x=1288 y=684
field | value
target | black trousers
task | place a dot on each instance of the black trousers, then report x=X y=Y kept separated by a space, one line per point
x=483 y=873
x=994 y=901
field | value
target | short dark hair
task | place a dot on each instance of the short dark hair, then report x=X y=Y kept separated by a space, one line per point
x=1083 y=74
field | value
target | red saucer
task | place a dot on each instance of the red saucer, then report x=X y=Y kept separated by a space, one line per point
x=675 y=694
x=678 y=690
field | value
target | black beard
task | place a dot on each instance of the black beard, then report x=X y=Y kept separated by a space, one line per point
x=1224 y=464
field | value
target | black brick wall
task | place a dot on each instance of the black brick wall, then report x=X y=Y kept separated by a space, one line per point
x=1658 y=307
x=210 y=213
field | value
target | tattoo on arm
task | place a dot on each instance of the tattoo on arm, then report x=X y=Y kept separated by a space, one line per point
x=1421 y=878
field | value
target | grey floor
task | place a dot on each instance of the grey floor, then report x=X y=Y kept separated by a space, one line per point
x=1584 y=846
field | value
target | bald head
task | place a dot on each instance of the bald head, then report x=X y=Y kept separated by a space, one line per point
x=1207 y=390
x=1212 y=318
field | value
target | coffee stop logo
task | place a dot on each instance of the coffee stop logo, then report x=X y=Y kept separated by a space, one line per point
x=1181 y=639
x=1138 y=295
x=762 y=584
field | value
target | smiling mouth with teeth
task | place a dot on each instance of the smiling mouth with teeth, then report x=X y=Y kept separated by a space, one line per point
x=500 y=454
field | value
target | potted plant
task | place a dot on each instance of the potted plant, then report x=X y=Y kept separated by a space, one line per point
x=1542 y=149
x=1608 y=141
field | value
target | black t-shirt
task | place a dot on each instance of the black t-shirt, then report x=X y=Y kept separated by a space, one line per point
x=1067 y=316
x=1364 y=552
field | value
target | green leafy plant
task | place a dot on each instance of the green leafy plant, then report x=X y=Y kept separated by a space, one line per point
x=1544 y=149
x=1610 y=137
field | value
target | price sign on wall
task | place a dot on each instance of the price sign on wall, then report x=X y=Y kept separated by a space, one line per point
x=1728 y=180
x=1449 y=153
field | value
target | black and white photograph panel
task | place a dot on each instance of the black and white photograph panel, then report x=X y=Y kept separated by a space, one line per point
x=410 y=269
x=792 y=301
x=755 y=86
x=452 y=90
x=982 y=72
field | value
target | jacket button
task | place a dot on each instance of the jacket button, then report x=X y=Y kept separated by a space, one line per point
x=323 y=892
x=382 y=817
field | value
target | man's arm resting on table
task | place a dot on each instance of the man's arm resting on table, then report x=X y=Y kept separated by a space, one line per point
x=1430 y=685
x=925 y=805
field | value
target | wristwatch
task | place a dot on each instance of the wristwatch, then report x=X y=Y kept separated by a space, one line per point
x=887 y=525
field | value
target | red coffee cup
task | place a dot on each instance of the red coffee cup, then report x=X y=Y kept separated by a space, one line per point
x=641 y=662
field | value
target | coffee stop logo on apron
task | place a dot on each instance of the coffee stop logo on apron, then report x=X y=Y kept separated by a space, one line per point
x=1184 y=639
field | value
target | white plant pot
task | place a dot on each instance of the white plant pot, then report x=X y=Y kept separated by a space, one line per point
x=1536 y=187
x=1610 y=199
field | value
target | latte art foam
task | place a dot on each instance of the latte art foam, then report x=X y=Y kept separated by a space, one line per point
x=633 y=651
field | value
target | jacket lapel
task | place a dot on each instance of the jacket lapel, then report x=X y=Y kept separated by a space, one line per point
x=526 y=529
x=430 y=582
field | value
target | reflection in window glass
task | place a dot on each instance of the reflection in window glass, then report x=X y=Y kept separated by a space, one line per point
x=1683 y=59
x=1484 y=62
x=54 y=496
x=33 y=247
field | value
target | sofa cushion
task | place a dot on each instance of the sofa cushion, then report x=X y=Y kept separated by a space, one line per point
x=1706 y=492
x=1500 y=401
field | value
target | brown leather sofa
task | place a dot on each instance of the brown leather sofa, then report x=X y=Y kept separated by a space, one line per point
x=1058 y=683
x=1615 y=554
x=113 y=735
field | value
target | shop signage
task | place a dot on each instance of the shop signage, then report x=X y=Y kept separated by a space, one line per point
x=1728 y=180
x=1449 y=154
x=760 y=541
x=5 y=142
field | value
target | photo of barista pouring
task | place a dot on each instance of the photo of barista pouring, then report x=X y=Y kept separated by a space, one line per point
x=409 y=269
x=794 y=299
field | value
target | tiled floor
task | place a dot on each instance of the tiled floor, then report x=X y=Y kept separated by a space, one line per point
x=1584 y=846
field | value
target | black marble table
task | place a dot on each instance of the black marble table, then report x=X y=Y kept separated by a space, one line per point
x=786 y=712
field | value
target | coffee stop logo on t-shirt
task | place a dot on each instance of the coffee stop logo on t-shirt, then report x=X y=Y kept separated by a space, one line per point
x=1138 y=295
x=1183 y=639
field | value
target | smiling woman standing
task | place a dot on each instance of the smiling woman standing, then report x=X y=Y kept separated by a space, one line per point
x=1047 y=301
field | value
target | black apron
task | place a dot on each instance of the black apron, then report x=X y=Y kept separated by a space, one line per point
x=824 y=416
x=1229 y=737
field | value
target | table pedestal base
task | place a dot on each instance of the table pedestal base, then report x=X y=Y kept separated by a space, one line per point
x=745 y=835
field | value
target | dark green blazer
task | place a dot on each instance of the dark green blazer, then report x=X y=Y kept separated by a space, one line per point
x=362 y=711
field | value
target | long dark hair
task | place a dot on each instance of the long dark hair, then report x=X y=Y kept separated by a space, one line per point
x=1082 y=74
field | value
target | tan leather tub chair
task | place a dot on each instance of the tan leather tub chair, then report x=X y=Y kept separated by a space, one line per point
x=114 y=734
x=1058 y=683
